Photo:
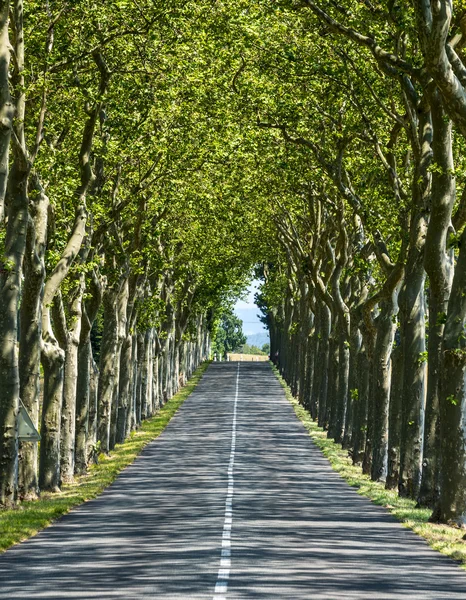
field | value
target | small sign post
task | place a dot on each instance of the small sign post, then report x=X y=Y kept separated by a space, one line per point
x=26 y=430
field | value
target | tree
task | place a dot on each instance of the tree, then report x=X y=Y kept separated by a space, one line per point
x=229 y=336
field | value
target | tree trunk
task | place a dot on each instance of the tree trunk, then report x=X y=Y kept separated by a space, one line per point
x=146 y=376
x=124 y=388
x=107 y=368
x=438 y=265
x=452 y=501
x=383 y=349
x=361 y=405
x=343 y=383
x=414 y=370
x=313 y=375
x=333 y=382
x=91 y=441
x=30 y=337
x=369 y=342
x=140 y=382
x=429 y=490
x=355 y=349
x=7 y=109
x=68 y=413
x=394 y=420
x=53 y=359
x=322 y=370
x=83 y=391
x=10 y=284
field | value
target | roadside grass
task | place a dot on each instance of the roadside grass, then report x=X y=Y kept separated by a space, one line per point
x=447 y=540
x=28 y=518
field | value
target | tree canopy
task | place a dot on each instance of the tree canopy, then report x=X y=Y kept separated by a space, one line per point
x=154 y=155
x=229 y=335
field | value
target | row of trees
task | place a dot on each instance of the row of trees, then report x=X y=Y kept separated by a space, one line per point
x=366 y=298
x=116 y=247
x=152 y=152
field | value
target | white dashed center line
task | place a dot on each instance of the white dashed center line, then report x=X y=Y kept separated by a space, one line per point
x=223 y=576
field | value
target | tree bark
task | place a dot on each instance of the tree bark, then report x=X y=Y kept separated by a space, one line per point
x=107 y=367
x=30 y=337
x=353 y=379
x=361 y=399
x=452 y=500
x=85 y=386
x=11 y=254
x=383 y=349
x=412 y=320
x=68 y=413
x=394 y=420
x=324 y=352
x=7 y=109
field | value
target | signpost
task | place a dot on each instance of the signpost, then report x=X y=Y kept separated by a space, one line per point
x=26 y=430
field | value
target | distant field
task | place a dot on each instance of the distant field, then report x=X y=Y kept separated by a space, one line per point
x=245 y=357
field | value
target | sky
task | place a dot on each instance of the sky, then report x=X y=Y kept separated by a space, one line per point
x=248 y=312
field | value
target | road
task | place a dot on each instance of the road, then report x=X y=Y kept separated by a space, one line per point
x=233 y=501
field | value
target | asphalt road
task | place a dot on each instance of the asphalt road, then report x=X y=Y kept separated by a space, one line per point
x=232 y=501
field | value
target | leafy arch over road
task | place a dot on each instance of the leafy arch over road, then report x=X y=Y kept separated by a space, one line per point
x=153 y=154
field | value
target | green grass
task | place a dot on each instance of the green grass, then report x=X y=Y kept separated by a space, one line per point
x=28 y=518
x=445 y=539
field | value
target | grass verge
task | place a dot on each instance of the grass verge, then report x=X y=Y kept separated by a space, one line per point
x=28 y=518
x=445 y=539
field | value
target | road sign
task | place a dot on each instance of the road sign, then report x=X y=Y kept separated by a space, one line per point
x=26 y=430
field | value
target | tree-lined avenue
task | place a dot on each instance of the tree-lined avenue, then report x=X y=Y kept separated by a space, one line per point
x=298 y=530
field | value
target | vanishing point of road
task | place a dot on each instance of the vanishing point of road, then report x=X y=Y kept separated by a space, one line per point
x=233 y=501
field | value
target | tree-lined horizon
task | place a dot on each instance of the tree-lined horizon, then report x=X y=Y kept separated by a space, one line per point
x=153 y=155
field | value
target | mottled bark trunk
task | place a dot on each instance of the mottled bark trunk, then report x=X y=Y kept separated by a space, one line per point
x=353 y=384
x=176 y=365
x=53 y=359
x=168 y=365
x=360 y=407
x=452 y=396
x=30 y=338
x=333 y=382
x=107 y=368
x=369 y=342
x=91 y=441
x=124 y=407
x=135 y=386
x=155 y=404
x=7 y=110
x=343 y=386
x=161 y=379
x=412 y=319
x=313 y=375
x=115 y=398
x=83 y=393
x=429 y=490
x=146 y=376
x=85 y=386
x=438 y=265
x=68 y=412
x=323 y=363
x=11 y=253
x=394 y=420
x=383 y=350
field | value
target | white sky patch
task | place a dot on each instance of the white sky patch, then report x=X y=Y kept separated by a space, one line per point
x=248 y=312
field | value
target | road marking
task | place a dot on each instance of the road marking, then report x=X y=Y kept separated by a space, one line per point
x=221 y=587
